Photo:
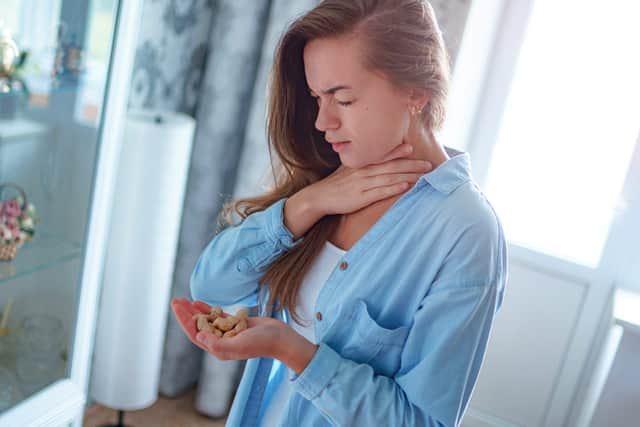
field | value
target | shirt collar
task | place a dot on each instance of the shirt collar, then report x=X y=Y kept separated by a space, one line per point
x=450 y=174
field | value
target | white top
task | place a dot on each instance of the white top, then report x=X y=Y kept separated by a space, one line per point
x=315 y=279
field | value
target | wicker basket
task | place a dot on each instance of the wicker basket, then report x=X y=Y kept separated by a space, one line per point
x=9 y=251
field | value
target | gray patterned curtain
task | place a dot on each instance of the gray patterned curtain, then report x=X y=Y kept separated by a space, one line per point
x=235 y=43
x=211 y=59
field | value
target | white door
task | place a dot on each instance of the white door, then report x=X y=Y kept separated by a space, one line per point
x=546 y=99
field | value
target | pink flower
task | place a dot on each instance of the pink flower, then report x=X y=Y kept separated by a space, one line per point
x=14 y=229
x=11 y=208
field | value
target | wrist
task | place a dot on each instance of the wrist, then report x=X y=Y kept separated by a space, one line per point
x=296 y=351
x=300 y=213
x=308 y=203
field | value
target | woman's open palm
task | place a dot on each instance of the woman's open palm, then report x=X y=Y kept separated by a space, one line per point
x=260 y=339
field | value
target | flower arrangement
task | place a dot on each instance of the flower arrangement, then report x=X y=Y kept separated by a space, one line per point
x=17 y=223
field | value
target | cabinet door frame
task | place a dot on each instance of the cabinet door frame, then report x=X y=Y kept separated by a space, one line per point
x=63 y=402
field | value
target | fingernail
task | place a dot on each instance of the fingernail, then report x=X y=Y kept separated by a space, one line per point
x=200 y=337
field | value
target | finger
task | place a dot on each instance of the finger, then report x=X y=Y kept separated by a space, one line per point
x=188 y=325
x=201 y=306
x=386 y=180
x=184 y=303
x=204 y=308
x=195 y=307
x=400 y=166
x=185 y=318
x=401 y=150
x=179 y=301
x=381 y=193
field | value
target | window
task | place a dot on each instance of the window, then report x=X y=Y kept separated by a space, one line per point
x=559 y=145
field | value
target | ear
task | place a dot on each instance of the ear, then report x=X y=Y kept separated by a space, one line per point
x=418 y=97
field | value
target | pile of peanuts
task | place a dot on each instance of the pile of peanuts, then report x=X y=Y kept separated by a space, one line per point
x=215 y=322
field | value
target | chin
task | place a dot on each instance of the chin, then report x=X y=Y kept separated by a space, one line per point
x=355 y=164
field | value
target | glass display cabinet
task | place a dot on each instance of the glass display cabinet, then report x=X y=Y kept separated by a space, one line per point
x=64 y=71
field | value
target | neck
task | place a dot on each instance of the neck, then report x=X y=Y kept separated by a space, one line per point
x=425 y=146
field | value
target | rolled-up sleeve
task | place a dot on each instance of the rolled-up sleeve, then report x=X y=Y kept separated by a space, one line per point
x=228 y=269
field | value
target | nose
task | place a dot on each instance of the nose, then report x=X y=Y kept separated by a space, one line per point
x=326 y=119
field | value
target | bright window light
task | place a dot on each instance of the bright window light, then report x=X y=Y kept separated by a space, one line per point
x=570 y=124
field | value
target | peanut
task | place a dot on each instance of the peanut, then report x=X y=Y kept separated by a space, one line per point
x=202 y=321
x=224 y=323
x=223 y=326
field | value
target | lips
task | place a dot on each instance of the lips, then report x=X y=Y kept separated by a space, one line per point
x=338 y=146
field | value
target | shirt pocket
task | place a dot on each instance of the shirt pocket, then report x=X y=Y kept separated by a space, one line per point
x=365 y=341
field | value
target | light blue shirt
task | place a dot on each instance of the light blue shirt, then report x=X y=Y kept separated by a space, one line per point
x=406 y=313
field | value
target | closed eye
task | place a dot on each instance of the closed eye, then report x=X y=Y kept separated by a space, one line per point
x=343 y=103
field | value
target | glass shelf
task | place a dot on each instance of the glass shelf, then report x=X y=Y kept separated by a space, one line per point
x=21 y=127
x=41 y=252
x=51 y=85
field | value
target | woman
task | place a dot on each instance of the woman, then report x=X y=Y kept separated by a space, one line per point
x=377 y=264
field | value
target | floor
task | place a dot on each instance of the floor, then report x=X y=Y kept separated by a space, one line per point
x=165 y=412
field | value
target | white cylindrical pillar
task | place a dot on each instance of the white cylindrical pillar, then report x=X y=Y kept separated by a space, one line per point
x=138 y=272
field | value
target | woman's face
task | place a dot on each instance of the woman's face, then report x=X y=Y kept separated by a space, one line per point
x=354 y=104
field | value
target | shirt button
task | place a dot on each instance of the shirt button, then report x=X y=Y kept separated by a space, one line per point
x=343 y=265
x=319 y=315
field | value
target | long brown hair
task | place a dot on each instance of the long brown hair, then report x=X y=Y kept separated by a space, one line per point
x=402 y=40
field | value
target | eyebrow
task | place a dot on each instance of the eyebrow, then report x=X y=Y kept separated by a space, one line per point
x=334 y=89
